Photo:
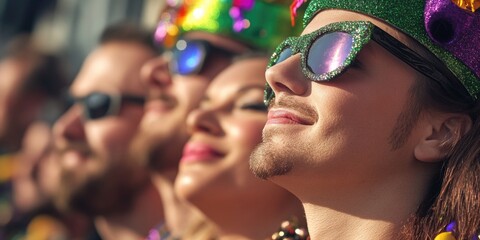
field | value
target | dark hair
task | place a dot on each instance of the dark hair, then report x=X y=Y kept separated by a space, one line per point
x=128 y=32
x=455 y=191
x=46 y=74
x=43 y=80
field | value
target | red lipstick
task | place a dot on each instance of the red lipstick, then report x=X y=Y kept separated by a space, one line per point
x=199 y=152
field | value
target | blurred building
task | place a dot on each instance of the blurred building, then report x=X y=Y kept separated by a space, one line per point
x=71 y=27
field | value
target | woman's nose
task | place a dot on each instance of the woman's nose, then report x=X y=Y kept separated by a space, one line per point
x=203 y=120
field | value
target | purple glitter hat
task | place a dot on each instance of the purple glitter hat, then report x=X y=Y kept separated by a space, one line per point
x=456 y=30
x=450 y=29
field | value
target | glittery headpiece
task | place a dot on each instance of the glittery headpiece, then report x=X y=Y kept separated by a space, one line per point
x=261 y=24
x=450 y=29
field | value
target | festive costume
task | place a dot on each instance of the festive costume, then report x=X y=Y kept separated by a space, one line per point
x=448 y=30
x=260 y=24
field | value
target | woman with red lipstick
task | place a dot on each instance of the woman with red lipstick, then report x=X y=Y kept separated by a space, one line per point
x=214 y=170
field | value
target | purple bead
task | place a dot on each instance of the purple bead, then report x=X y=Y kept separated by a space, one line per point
x=451 y=227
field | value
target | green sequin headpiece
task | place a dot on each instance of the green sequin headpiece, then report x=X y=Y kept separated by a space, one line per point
x=260 y=24
x=411 y=17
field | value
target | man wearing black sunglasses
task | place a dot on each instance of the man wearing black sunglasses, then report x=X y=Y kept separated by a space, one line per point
x=368 y=111
x=93 y=135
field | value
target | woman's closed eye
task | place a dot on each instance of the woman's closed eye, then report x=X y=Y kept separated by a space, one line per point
x=258 y=106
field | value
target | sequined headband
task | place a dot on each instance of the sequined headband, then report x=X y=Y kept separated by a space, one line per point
x=260 y=24
x=449 y=29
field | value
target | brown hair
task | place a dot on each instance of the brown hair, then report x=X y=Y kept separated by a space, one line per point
x=46 y=74
x=455 y=191
x=128 y=32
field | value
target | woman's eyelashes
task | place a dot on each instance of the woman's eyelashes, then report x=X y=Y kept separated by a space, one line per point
x=258 y=106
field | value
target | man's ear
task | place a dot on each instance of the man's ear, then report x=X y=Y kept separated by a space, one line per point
x=443 y=131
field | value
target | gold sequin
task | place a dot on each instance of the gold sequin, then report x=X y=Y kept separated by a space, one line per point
x=469 y=5
x=445 y=236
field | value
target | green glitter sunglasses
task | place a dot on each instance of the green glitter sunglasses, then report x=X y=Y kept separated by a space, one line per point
x=330 y=50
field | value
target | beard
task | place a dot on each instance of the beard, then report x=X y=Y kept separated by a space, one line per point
x=277 y=154
x=108 y=191
x=267 y=160
x=158 y=151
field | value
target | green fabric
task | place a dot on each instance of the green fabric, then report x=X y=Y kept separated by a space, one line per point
x=407 y=16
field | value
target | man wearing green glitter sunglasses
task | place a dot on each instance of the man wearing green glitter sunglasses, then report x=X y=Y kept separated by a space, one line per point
x=367 y=110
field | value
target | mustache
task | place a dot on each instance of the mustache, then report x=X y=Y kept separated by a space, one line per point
x=152 y=96
x=72 y=146
x=289 y=103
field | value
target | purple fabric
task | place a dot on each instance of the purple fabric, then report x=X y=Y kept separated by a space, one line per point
x=441 y=16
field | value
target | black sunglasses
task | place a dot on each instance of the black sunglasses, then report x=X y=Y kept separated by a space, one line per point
x=330 y=50
x=97 y=105
x=190 y=56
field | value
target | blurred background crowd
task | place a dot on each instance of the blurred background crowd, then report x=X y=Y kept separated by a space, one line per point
x=43 y=44
x=70 y=28
x=96 y=115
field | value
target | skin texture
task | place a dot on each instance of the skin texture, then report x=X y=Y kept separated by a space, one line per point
x=328 y=143
x=35 y=175
x=13 y=123
x=92 y=152
x=170 y=99
x=214 y=172
x=163 y=133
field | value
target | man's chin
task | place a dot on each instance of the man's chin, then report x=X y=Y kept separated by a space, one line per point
x=70 y=186
x=143 y=146
x=104 y=195
x=157 y=151
x=149 y=120
x=266 y=164
x=158 y=161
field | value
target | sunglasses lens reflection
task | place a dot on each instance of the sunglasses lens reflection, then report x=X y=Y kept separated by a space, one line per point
x=329 y=52
x=284 y=54
x=97 y=105
x=189 y=59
